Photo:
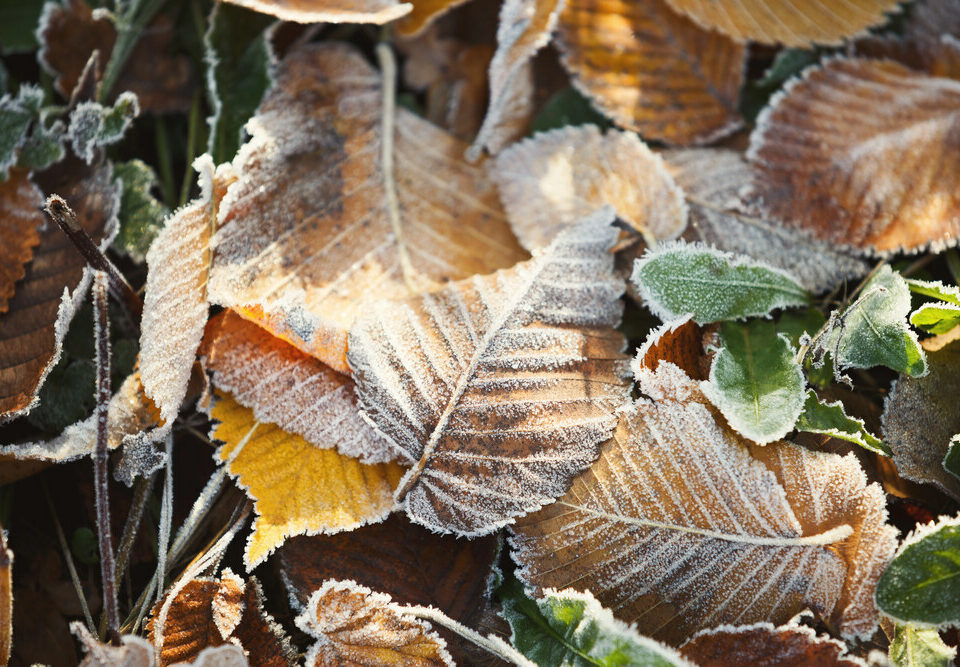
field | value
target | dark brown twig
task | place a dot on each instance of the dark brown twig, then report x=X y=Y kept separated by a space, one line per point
x=58 y=210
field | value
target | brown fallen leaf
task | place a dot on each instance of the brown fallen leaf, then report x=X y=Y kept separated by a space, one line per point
x=653 y=71
x=763 y=644
x=423 y=14
x=355 y=626
x=680 y=343
x=500 y=388
x=284 y=386
x=133 y=651
x=53 y=285
x=789 y=22
x=556 y=178
x=309 y=234
x=681 y=526
x=21 y=217
x=920 y=417
x=871 y=149
x=329 y=11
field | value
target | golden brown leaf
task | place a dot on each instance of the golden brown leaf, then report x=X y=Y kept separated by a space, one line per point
x=355 y=626
x=862 y=153
x=680 y=343
x=653 y=71
x=558 y=177
x=763 y=644
x=789 y=22
x=329 y=11
x=20 y=222
x=500 y=388
x=308 y=235
x=681 y=526
x=424 y=13
x=299 y=489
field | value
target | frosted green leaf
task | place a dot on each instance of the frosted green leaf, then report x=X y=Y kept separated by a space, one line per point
x=93 y=125
x=936 y=290
x=831 y=419
x=755 y=381
x=141 y=215
x=43 y=147
x=951 y=460
x=16 y=114
x=922 y=583
x=677 y=279
x=920 y=647
x=937 y=317
x=569 y=628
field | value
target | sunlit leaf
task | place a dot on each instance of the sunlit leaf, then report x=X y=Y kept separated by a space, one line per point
x=763 y=643
x=920 y=647
x=680 y=342
x=329 y=11
x=936 y=318
x=424 y=13
x=831 y=419
x=935 y=289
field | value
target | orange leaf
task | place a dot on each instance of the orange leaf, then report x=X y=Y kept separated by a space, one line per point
x=20 y=203
x=424 y=13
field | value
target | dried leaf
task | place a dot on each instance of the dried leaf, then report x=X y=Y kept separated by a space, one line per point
x=225 y=655
x=761 y=643
x=329 y=11
x=712 y=180
x=307 y=238
x=920 y=417
x=20 y=203
x=498 y=389
x=920 y=647
x=133 y=651
x=558 y=177
x=422 y=16
x=653 y=71
x=353 y=625
x=299 y=489
x=681 y=343
x=680 y=526
x=789 y=22
x=875 y=181
x=831 y=419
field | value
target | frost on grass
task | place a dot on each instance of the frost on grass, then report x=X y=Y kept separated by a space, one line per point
x=680 y=525
x=558 y=177
x=500 y=388
x=763 y=644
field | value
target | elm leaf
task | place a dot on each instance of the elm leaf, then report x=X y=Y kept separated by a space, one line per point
x=919 y=647
x=831 y=419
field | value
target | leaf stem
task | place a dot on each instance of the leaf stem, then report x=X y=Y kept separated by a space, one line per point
x=490 y=643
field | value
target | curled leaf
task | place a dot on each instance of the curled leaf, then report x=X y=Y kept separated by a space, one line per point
x=913 y=646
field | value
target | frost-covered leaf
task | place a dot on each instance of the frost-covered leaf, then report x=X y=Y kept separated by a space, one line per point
x=863 y=153
x=284 y=386
x=93 y=125
x=20 y=222
x=936 y=318
x=936 y=290
x=951 y=460
x=680 y=279
x=133 y=651
x=681 y=526
x=354 y=625
x=920 y=417
x=497 y=389
x=790 y=22
x=765 y=644
x=16 y=116
x=308 y=234
x=687 y=90
x=569 y=628
x=831 y=419
x=913 y=646
x=755 y=381
x=711 y=180
x=681 y=343
x=141 y=215
x=921 y=585
x=557 y=178
x=424 y=13
x=299 y=489
x=329 y=11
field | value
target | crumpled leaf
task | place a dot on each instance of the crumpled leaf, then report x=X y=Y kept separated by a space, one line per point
x=307 y=238
x=789 y=22
x=920 y=647
x=921 y=585
x=652 y=70
x=681 y=526
x=299 y=489
x=20 y=222
x=831 y=419
x=679 y=279
x=571 y=628
x=329 y=11
x=354 y=625
x=283 y=386
x=93 y=125
x=755 y=381
x=920 y=417
x=141 y=214
x=763 y=643
x=711 y=180
x=870 y=149
x=556 y=178
x=497 y=389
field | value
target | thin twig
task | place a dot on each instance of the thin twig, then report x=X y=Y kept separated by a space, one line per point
x=166 y=517
x=68 y=558
x=141 y=493
x=490 y=643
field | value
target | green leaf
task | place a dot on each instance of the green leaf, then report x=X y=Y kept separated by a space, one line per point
x=66 y=397
x=43 y=147
x=922 y=583
x=239 y=70
x=795 y=323
x=831 y=419
x=569 y=628
x=141 y=215
x=568 y=107
x=16 y=115
x=679 y=279
x=951 y=460
x=936 y=290
x=18 y=25
x=93 y=125
x=937 y=318
x=755 y=381
x=919 y=647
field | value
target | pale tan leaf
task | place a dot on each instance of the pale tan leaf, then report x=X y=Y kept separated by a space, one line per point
x=329 y=11
x=356 y=626
x=763 y=644
x=863 y=153
x=558 y=177
x=225 y=655
x=651 y=70
x=789 y=22
x=500 y=388
x=284 y=386
x=920 y=417
x=133 y=651
x=711 y=180
x=308 y=235
x=680 y=526
x=20 y=222
x=423 y=14
x=932 y=19
x=175 y=301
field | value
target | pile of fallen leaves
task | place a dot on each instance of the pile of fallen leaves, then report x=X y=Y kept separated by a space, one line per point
x=555 y=332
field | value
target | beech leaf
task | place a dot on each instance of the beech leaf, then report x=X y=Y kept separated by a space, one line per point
x=763 y=643
x=831 y=419
x=755 y=381
x=913 y=646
